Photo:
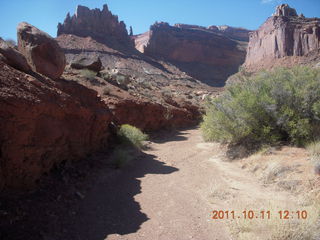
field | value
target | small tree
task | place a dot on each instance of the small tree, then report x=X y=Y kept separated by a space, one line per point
x=131 y=31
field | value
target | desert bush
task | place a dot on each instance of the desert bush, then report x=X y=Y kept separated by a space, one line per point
x=106 y=91
x=131 y=135
x=121 y=156
x=281 y=105
x=88 y=74
x=314 y=150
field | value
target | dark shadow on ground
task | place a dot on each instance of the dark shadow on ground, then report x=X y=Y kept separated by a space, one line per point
x=210 y=74
x=172 y=135
x=87 y=200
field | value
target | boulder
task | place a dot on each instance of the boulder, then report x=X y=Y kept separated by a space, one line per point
x=13 y=57
x=41 y=51
x=93 y=64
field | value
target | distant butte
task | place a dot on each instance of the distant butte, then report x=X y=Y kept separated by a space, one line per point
x=208 y=54
x=101 y=25
x=285 y=39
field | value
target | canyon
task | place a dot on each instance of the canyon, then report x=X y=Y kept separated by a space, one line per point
x=63 y=100
x=208 y=54
x=53 y=111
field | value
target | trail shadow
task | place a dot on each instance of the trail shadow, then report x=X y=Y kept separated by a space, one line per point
x=170 y=135
x=68 y=209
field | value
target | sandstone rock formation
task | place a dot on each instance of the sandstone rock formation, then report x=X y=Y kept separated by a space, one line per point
x=240 y=34
x=100 y=25
x=285 y=11
x=44 y=122
x=208 y=54
x=13 y=57
x=93 y=63
x=41 y=51
x=284 y=39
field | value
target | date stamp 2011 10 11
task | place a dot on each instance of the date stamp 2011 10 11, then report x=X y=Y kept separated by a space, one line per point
x=262 y=214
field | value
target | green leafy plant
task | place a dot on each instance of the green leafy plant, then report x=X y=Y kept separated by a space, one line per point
x=122 y=156
x=281 y=105
x=131 y=135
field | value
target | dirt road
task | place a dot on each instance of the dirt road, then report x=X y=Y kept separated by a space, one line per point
x=178 y=204
x=167 y=193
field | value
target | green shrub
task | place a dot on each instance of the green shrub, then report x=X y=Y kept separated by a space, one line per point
x=88 y=74
x=106 y=91
x=121 y=156
x=281 y=105
x=132 y=136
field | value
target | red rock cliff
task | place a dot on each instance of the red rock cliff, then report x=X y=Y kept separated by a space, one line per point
x=208 y=54
x=284 y=39
x=44 y=122
x=101 y=25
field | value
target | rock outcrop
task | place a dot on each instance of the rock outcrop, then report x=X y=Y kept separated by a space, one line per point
x=101 y=25
x=41 y=51
x=208 y=54
x=93 y=64
x=285 y=11
x=44 y=122
x=13 y=57
x=284 y=39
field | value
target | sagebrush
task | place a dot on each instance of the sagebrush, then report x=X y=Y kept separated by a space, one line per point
x=281 y=105
x=131 y=135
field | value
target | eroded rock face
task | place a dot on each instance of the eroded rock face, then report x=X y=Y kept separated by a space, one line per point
x=13 y=57
x=93 y=63
x=41 y=51
x=208 y=54
x=100 y=25
x=285 y=35
x=44 y=122
x=285 y=11
x=152 y=116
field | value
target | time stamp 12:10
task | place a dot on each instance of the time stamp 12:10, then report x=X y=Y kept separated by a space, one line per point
x=250 y=214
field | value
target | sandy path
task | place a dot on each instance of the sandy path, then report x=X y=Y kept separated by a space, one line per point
x=178 y=205
x=168 y=193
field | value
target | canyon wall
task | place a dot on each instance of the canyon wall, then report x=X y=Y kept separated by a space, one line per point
x=285 y=39
x=44 y=122
x=207 y=54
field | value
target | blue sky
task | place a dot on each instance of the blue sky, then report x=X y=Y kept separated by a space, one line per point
x=140 y=14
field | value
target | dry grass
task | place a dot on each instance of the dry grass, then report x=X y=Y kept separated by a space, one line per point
x=274 y=171
x=278 y=229
x=314 y=150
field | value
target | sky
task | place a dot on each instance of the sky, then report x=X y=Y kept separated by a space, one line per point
x=140 y=14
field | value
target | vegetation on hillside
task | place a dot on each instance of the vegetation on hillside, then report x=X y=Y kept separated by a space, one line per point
x=131 y=140
x=280 y=105
x=132 y=136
